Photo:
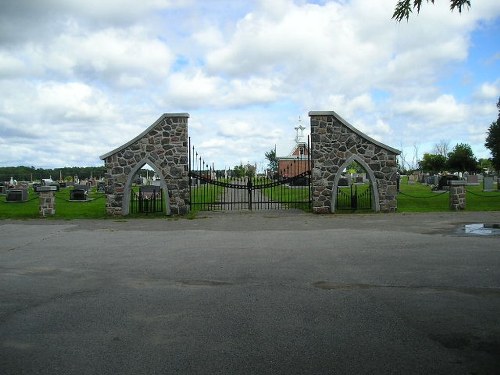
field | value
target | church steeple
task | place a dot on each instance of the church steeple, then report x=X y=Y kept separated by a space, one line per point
x=299 y=138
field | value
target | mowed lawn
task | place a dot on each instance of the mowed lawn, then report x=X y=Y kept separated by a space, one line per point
x=94 y=208
x=412 y=198
x=420 y=198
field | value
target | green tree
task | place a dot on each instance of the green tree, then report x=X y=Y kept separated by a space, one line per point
x=404 y=7
x=462 y=159
x=355 y=167
x=493 y=140
x=432 y=163
x=272 y=160
x=239 y=171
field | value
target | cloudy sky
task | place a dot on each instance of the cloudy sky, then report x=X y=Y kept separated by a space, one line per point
x=80 y=78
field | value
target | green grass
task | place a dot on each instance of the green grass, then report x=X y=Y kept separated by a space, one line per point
x=95 y=208
x=413 y=198
x=203 y=196
x=420 y=198
x=298 y=196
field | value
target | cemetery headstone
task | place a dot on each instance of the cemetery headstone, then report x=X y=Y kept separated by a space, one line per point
x=101 y=187
x=17 y=195
x=79 y=193
x=488 y=183
x=472 y=179
x=343 y=181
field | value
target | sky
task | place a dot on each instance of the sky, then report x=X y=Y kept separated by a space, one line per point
x=81 y=78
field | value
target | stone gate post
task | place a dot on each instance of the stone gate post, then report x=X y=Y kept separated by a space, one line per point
x=458 y=195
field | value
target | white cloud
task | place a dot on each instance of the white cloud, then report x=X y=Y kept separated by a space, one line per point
x=489 y=90
x=442 y=110
x=103 y=71
x=126 y=58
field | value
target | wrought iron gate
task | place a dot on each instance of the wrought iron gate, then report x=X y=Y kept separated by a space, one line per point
x=148 y=199
x=355 y=197
x=212 y=189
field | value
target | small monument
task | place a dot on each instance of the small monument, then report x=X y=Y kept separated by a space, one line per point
x=17 y=195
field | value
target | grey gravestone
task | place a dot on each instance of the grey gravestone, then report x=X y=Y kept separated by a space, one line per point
x=488 y=183
x=472 y=179
x=101 y=187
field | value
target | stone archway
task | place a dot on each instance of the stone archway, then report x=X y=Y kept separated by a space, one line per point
x=371 y=178
x=334 y=144
x=164 y=146
x=128 y=186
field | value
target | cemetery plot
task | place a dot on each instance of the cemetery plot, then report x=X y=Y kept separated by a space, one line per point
x=17 y=195
x=79 y=193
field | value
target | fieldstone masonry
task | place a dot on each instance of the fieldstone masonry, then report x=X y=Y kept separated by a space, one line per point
x=163 y=146
x=458 y=195
x=47 y=201
x=334 y=145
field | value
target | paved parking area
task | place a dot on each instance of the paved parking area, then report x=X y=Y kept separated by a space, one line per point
x=251 y=293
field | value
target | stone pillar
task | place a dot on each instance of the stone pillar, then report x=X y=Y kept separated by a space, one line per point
x=47 y=201
x=163 y=146
x=457 y=195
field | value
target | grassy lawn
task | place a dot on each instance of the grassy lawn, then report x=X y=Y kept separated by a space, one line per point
x=420 y=198
x=93 y=209
x=297 y=196
x=203 y=196
x=413 y=198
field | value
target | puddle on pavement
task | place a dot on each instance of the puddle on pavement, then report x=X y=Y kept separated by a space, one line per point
x=481 y=229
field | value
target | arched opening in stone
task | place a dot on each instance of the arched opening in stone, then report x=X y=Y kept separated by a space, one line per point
x=145 y=190
x=355 y=187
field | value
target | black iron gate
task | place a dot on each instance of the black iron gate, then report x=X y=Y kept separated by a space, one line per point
x=212 y=189
x=149 y=199
x=354 y=197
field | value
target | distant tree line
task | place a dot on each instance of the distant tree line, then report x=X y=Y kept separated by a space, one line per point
x=460 y=159
x=23 y=173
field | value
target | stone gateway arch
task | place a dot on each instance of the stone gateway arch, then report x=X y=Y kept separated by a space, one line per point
x=164 y=147
x=335 y=144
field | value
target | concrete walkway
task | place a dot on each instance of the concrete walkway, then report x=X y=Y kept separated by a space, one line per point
x=261 y=292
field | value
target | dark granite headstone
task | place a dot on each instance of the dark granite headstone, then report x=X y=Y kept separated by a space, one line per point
x=343 y=181
x=79 y=193
x=17 y=195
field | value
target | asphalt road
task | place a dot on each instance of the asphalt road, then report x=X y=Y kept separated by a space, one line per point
x=251 y=293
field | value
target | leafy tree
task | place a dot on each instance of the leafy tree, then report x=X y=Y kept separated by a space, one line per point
x=493 y=140
x=404 y=7
x=272 y=160
x=355 y=167
x=433 y=163
x=462 y=159
x=250 y=170
x=485 y=165
x=239 y=171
